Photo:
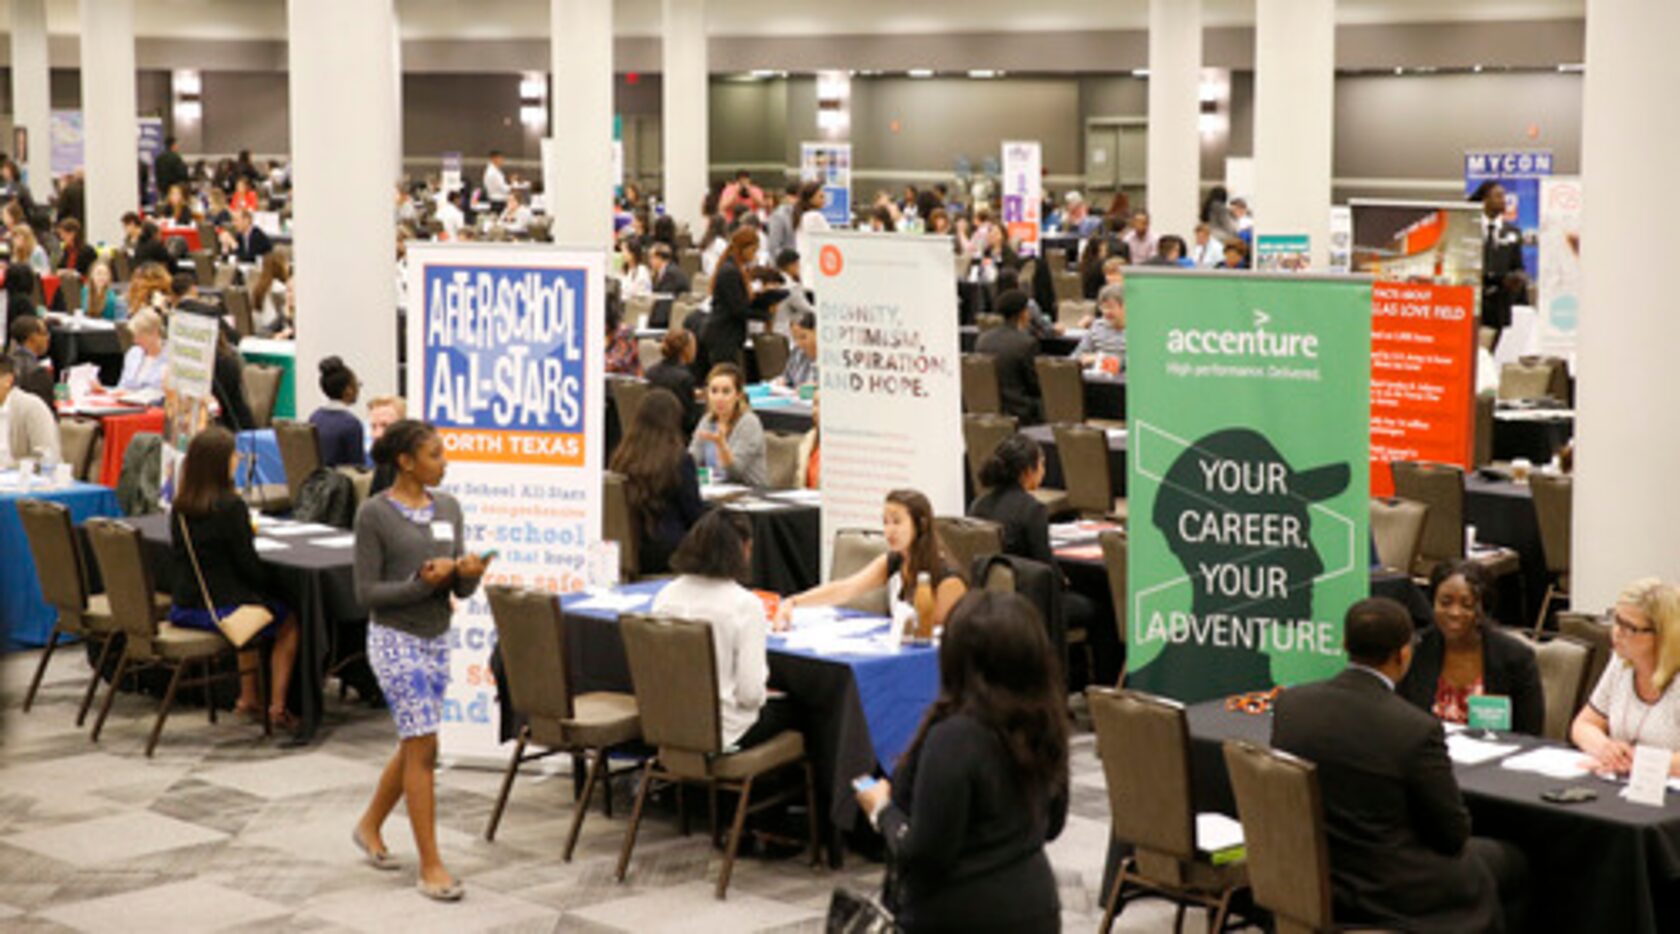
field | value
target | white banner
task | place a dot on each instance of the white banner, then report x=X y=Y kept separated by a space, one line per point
x=831 y=164
x=1023 y=193
x=891 y=376
x=1560 y=266
x=505 y=358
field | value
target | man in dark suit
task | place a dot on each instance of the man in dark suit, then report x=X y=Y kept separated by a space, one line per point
x=1014 y=348
x=246 y=242
x=1399 y=835
x=170 y=169
x=30 y=343
x=1504 y=278
x=669 y=281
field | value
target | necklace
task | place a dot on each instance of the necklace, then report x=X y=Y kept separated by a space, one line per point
x=1634 y=741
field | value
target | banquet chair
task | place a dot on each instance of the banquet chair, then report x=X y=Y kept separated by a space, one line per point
x=203 y=266
x=39 y=295
x=1593 y=633
x=1482 y=455
x=628 y=395
x=238 y=302
x=1553 y=512
x=226 y=274
x=1069 y=313
x=986 y=321
x=1563 y=664
x=966 y=539
x=125 y=336
x=1535 y=378
x=1068 y=287
x=853 y=550
x=63 y=578
x=781 y=454
x=771 y=351
x=1085 y=468
x=96 y=459
x=1397 y=528
x=1057 y=260
x=960 y=264
x=120 y=266
x=531 y=630
x=1441 y=488
x=262 y=390
x=1115 y=546
x=681 y=307
x=674 y=669
x=637 y=310
x=1063 y=383
x=1039 y=583
x=980 y=393
x=617 y=525
x=699 y=286
x=70 y=286
x=689 y=262
x=1144 y=744
x=206 y=235
x=300 y=453
x=982 y=433
x=148 y=642
x=75 y=443
x=648 y=352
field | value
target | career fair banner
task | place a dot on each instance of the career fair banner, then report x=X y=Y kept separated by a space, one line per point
x=1023 y=193
x=1423 y=377
x=1518 y=172
x=1250 y=402
x=505 y=358
x=1560 y=266
x=891 y=378
x=190 y=349
x=831 y=164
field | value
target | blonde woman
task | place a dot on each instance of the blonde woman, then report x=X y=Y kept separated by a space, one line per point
x=25 y=248
x=1636 y=702
x=143 y=364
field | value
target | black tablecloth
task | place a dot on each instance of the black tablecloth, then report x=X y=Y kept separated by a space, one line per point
x=1503 y=514
x=1605 y=865
x=786 y=547
x=1056 y=478
x=973 y=298
x=1535 y=440
x=1105 y=396
x=317 y=583
x=72 y=347
x=1056 y=345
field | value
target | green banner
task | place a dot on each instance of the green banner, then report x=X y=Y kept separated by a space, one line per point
x=1249 y=401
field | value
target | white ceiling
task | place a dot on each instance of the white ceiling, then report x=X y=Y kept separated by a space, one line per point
x=504 y=19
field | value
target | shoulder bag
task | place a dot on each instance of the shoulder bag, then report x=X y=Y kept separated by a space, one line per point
x=238 y=627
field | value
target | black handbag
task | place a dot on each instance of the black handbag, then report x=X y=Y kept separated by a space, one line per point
x=851 y=912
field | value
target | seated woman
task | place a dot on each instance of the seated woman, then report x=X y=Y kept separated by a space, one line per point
x=144 y=363
x=1465 y=654
x=1636 y=701
x=659 y=480
x=729 y=440
x=218 y=525
x=711 y=563
x=913 y=549
x=99 y=298
x=337 y=428
x=623 y=357
x=984 y=783
x=26 y=249
x=674 y=373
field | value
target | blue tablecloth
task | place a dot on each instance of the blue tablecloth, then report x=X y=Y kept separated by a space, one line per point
x=260 y=443
x=25 y=618
x=895 y=689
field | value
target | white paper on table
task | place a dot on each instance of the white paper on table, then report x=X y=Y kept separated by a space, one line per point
x=823 y=643
x=720 y=490
x=1649 y=779
x=756 y=505
x=805 y=617
x=1115 y=433
x=346 y=540
x=269 y=544
x=1452 y=728
x=299 y=528
x=265 y=521
x=803 y=497
x=616 y=602
x=1216 y=832
x=1467 y=750
x=1551 y=761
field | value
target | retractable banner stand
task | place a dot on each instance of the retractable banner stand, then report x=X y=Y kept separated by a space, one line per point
x=1519 y=172
x=1423 y=377
x=188 y=386
x=831 y=164
x=505 y=358
x=1560 y=266
x=1250 y=404
x=891 y=376
x=1023 y=193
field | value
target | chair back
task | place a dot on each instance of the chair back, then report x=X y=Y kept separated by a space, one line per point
x=1485 y=403
x=781 y=455
x=637 y=310
x=1282 y=812
x=1057 y=260
x=1070 y=313
x=959 y=265
x=853 y=550
x=1067 y=286
x=226 y=273
x=531 y=630
x=981 y=436
x=618 y=525
x=1563 y=664
x=980 y=393
x=628 y=395
x=987 y=321
x=967 y=539
x=771 y=351
x=75 y=443
x=680 y=309
x=1144 y=744
x=120 y=265
x=1441 y=488
x=648 y=352
x=1083 y=452
x=238 y=302
x=58 y=559
x=700 y=286
x=1553 y=511
x=262 y=390
x=203 y=267
x=128 y=581
x=70 y=287
x=1115 y=548
x=1063 y=388
x=1397 y=527
x=1592 y=633
x=1535 y=378
x=689 y=262
x=125 y=335
x=300 y=452
x=674 y=669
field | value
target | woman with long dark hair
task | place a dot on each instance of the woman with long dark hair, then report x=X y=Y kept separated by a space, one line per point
x=208 y=512
x=736 y=299
x=984 y=783
x=913 y=549
x=660 y=480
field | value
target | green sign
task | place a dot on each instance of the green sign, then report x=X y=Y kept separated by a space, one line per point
x=1490 y=712
x=1249 y=398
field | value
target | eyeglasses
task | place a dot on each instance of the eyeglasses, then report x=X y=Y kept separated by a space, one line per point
x=1626 y=628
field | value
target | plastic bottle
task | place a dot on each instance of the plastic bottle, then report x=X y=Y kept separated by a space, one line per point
x=925 y=606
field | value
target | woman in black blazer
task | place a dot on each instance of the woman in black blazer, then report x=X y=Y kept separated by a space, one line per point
x=1465 y=653
x=735 y=300
x=675 y=373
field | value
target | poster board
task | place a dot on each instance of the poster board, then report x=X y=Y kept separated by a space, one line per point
x=1559 y=307
x=831 y=164
x=1023 y=194
x=1423 y=377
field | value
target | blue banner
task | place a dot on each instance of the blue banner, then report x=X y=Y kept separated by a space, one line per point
x=1519 y=173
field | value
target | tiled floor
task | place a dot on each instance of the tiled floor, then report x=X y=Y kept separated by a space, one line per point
x=224 y=830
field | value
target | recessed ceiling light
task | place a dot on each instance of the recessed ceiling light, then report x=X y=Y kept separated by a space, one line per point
x=921 y=72
x=984 y=73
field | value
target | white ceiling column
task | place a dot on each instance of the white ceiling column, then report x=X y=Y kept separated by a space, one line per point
x=1175 y=111
x=1294 y=96
x=579 y=181
x=32 y=91
x=685 y=115
x=110 y=129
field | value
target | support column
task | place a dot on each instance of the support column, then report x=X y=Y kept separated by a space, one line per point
x=579 y=180
x=1625 y=510
x=684 y=131
x=1294 y=96
x=32 y=91
x=1175 y=156
x=344 y=141
x=110 y=131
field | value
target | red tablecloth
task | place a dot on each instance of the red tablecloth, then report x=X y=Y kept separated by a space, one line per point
x=187 y=233
x=49 y=286
x=119 y=431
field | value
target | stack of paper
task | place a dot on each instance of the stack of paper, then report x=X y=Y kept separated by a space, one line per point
x=802 y=497
x=1551 y=761
x=1467 y=750
x=269 y=544
x=300 y=528
x=614 y=602
x=346 y=540
x=713 y=491
x=1219 y=835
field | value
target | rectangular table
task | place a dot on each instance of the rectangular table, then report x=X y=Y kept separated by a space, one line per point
x=77 y=340
x=1105 y=395
x=25 y=618
x=1536 y=435
x=282 y=354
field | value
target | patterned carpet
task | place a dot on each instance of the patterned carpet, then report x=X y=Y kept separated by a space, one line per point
x=224 y=830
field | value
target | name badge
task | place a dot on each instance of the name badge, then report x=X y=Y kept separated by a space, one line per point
x=443 y=531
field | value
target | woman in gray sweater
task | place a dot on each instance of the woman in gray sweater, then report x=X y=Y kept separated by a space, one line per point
x=409 y=563
x=729 y=441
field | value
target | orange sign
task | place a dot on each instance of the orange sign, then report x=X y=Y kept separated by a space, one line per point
x=1423 y=376
x=830 y=261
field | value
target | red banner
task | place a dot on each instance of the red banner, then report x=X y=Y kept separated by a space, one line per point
x=1423 y=376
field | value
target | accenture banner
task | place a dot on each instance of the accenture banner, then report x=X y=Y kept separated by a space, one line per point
x=1248 y=475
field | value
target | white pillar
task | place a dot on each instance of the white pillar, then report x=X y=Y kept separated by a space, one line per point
x=344 y=134
x=1175 y=154
x=1625 y=510
x=684 y=129
x=1294 y=93
x=110 y=131
x=579 y=181
x=32 y=91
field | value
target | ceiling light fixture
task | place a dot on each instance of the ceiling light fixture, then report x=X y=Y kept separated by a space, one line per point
x=920 y=72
